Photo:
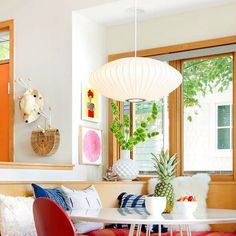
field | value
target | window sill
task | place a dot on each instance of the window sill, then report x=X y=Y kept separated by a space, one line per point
x=43 y=166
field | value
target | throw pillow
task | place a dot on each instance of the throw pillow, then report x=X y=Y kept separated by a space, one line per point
x=83 y=199
x=16 y=216
x=196 y=185
x=131 y=200
x=54 y=194
x=127 y=200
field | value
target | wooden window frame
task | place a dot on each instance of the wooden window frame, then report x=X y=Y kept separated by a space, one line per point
x=9 y=26
x=178 y=126
x=175 y=101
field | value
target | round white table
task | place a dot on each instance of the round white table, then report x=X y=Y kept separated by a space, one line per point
x=139 y=216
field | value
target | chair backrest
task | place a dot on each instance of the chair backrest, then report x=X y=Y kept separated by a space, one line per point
x=50 y=219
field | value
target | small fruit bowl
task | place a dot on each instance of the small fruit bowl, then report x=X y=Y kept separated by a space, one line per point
x=186 y=205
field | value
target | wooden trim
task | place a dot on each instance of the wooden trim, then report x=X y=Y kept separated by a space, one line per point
x=9 y=25
x=75 y=182
x=113 y=146
x=227 y=178
x=4 y=62
x=12 y=107
x=44 y=166
x=177 y=48
x=234 y=116
x=132 y=126
x=208 y=56
x=4 y=25
x=175 y=122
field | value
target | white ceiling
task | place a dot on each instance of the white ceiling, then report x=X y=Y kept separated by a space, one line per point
x=8 y=4
x=118 y=12
x=115 y=12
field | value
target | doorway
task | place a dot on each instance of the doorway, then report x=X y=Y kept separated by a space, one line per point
x=6 y=91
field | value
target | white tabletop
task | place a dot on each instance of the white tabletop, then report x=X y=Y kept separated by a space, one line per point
x=140 y=216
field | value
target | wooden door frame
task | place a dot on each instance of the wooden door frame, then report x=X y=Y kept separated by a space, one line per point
x=9 y=25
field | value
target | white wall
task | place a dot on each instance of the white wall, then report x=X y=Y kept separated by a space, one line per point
x=89 y=52
x=43 y=52
x=200 y=135
x=186 y=27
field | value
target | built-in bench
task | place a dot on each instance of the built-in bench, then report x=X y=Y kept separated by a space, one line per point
x=220 y=195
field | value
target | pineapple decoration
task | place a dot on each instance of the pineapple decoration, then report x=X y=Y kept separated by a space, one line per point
x=165 y=167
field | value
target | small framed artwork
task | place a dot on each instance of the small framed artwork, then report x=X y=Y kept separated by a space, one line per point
x=90 y=108
x=90 y=146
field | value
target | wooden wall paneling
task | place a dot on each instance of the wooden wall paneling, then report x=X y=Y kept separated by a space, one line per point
x=221 y=195
x=108 y=191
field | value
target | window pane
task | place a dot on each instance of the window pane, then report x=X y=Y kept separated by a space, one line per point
x=126 y=108
x=224 y=138
x=153 y=145
x=224 y=115
x=207 y=82
x=4 y=45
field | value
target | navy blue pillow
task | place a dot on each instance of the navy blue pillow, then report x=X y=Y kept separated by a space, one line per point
x=54 y=194
x=127 y=200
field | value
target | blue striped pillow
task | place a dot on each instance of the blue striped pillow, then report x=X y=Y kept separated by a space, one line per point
x=54 y=194
x=131 y=201
x=127 y=200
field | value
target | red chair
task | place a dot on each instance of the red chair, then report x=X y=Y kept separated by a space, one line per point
x=51 y=220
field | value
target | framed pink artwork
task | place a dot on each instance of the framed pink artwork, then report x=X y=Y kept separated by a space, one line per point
x=90 y=146
x=91 y=100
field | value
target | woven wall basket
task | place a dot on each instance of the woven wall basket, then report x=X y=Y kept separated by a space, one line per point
x=45 y=144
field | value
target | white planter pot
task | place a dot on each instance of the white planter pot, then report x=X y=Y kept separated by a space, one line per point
x=125 y=167
x=155 y=205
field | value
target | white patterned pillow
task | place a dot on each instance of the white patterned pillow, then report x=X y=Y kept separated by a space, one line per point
x=16 y=216
x=83 y=199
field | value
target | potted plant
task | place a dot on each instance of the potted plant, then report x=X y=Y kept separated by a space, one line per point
x=126 y=168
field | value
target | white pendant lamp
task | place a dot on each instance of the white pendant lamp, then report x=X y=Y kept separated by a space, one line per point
x=135 y=79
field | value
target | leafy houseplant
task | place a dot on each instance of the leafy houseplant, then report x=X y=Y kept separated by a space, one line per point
x=165 y=166
x=121 y=129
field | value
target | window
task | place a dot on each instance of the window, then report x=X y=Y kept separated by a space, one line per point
x=142 y=151
x=201 y=111
x=4 y=45
x=207 y=81
x=224 y=127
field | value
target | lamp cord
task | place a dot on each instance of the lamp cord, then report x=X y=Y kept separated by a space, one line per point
x=135 y=28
